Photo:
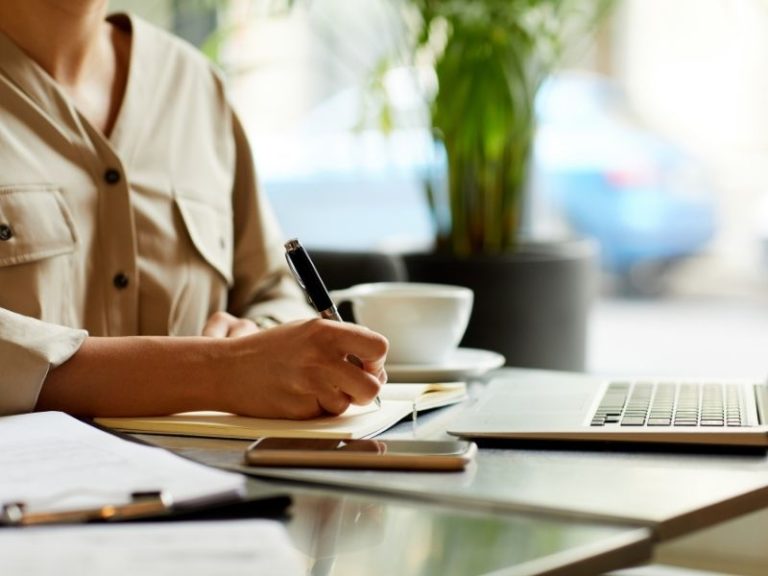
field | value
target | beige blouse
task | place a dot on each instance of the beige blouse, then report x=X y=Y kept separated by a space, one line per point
x=147 y=232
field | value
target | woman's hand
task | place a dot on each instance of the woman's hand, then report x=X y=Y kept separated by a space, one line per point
x=224 y=325
x=300 y=370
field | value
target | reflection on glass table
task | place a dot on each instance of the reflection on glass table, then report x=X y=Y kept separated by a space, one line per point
x=351 y=535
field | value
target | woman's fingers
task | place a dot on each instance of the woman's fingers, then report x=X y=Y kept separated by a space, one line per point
x=224 y=325
x=362 y=352
x=360 y=386
x=359 y=345
x=333 y=401
x=242 y=327
x=302 y=369
x=217 y=325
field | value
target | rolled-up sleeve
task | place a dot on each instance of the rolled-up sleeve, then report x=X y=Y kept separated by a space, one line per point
x=29 y=348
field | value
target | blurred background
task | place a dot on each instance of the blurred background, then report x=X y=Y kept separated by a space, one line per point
x=652 y=139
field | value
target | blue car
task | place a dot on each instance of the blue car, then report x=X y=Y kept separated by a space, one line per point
x=647 y=203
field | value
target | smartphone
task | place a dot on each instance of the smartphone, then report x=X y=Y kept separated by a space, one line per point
x=368 y=454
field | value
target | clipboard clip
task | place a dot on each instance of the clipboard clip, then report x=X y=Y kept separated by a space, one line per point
x=142 y=504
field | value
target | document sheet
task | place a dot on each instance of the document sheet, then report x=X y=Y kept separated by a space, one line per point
x=51 y=461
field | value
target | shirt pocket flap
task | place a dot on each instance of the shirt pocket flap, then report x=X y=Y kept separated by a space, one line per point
x=211 y=232
x=35 y=223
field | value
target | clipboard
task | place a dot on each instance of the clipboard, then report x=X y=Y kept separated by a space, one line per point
x=142 y=505
x=60 y=470
x=149 y=506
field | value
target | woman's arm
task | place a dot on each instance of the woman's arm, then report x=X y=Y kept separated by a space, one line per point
x=297 y=370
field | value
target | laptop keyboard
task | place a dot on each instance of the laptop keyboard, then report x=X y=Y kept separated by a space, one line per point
x=670 y=404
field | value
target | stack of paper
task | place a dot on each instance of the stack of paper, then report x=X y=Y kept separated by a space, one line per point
x=51 y=461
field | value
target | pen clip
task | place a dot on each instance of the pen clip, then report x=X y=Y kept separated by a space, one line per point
x=142 y=504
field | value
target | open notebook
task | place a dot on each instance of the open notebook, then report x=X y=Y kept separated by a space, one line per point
x=397 y=402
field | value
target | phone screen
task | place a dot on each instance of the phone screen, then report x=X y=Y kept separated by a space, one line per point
x=389 y=447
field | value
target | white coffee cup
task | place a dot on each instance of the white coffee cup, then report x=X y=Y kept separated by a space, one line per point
x=424 y=323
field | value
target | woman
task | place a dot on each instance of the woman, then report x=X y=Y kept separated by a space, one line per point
x=139 y=266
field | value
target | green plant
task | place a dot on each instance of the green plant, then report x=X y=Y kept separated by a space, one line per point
x=490 y=58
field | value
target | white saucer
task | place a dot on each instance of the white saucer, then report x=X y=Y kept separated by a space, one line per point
x=463 y=364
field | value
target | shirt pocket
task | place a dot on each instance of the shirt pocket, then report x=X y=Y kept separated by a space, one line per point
x=38 y=242
x=211 y=231
x=35 y=224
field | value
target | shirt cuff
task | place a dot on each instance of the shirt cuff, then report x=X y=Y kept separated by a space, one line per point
x=28 y=349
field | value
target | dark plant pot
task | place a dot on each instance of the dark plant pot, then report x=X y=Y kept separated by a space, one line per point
x=531 y=305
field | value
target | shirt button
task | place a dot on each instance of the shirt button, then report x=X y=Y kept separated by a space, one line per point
x=111 y=176
x=6 y=233
x=120 y=281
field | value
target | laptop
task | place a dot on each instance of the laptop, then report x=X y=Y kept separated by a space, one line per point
x=546 y=405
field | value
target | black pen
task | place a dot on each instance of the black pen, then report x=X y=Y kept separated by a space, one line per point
x=310 y=281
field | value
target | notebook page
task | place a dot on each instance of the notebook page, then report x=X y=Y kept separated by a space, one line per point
x=356 y=422
x=424 y=393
